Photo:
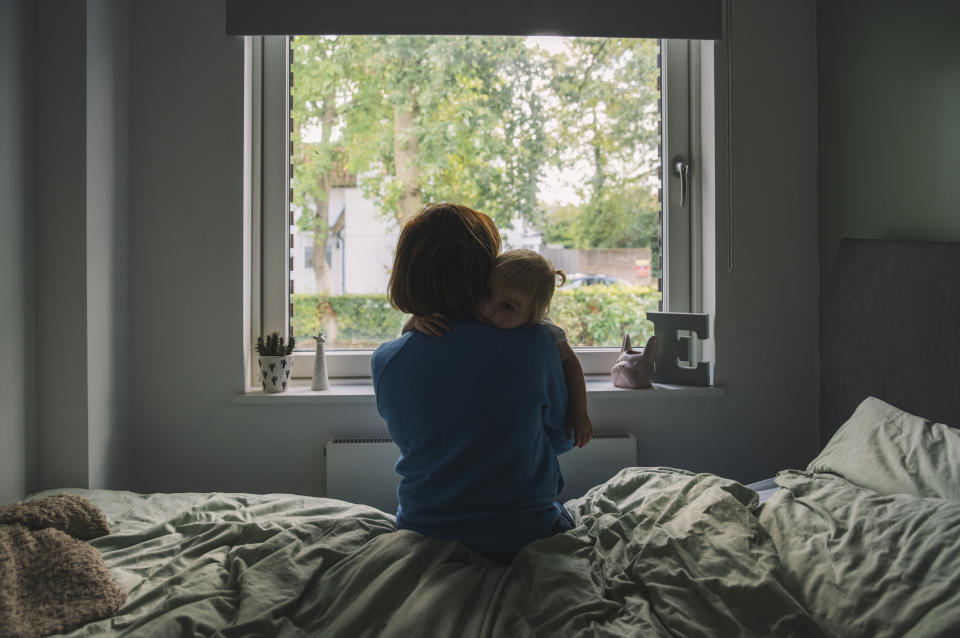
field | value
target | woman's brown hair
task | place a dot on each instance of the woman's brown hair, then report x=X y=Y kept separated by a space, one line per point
x=444 y=256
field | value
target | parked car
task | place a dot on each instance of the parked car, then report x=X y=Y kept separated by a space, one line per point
x=575 y=280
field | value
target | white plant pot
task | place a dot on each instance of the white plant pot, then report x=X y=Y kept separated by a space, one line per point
x=275 y=372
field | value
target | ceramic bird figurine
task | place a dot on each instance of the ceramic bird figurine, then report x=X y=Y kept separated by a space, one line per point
x=634 y=369
x=320 y=381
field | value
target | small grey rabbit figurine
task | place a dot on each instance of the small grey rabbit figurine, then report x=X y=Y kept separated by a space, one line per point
x=634 y=369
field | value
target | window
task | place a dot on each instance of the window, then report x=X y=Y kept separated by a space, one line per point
x=579 y=148
x=308 y=256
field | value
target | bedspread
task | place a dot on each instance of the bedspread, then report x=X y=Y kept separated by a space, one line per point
x=865 y=563
x=657 y=552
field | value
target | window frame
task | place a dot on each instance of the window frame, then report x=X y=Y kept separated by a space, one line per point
x=267 y=167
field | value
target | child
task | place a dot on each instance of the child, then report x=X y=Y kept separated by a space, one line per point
x=520 y=288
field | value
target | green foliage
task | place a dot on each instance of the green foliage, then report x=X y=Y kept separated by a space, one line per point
x=557 y=225
x=465 y=108
x=477 y=120
x=601 y=315
x=273 y=345
x=619 y=219
x=473 y=112
x=347 y=321
x=607 y=89
x=591 y=316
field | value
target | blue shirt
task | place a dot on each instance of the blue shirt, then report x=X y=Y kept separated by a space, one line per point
x=478 y=415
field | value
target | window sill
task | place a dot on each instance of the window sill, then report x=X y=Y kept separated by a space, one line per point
x=342 y=390
x=356 y=363
x=360 y=390
x=600 y=387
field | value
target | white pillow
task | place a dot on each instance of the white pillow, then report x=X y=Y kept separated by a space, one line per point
x=890 y=451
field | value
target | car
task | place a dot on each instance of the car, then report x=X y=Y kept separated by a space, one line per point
x=576 y=280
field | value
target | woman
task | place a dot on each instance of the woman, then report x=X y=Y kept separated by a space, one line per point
x=478 y=414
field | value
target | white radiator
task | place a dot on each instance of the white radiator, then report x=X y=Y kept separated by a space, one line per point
x=360 y=470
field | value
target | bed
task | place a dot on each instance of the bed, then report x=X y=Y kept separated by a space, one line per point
x=865 y=541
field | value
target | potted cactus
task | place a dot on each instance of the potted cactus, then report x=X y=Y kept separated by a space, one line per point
x=276 y=364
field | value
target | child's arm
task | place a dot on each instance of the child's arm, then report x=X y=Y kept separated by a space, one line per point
x=434 y=325
x=578 y=421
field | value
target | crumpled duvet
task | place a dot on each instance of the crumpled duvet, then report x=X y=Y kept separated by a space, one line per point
x=864 y=563
x=657 y=552
x=842 y=549
x=870 y=533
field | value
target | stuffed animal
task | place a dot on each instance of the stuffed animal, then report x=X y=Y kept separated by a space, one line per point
x=634 y=369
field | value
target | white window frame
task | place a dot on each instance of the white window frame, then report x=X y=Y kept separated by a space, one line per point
x=267 y=74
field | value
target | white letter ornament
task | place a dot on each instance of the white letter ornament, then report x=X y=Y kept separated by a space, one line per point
x=674 y=349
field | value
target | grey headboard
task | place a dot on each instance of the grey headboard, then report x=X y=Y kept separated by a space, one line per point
x=892 y=330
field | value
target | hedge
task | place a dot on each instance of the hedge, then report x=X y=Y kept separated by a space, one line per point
x=347 y=321
x=591 y=316
x=601 y=315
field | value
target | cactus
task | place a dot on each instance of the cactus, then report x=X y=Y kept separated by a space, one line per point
x=273 y=345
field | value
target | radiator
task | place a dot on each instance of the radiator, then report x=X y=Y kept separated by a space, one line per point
x=360 y=470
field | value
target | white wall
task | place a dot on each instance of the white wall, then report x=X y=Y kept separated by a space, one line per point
x=369 y=244
x=361 y=263
x=17 y=315
x=185 y=273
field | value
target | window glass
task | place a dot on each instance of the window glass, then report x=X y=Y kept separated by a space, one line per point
x=555 y=138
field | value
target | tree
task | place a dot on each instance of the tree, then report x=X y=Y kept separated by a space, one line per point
x=448 y=118
x=607 y=119
x=319 y=68
x=476 y=119
x=416 y=118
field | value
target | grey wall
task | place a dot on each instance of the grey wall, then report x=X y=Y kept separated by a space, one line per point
x=80 y=257
x=186 y=274
x=107 y=238
x=60 y=260
x=17 y=315
x=876 y=85
x=889 y=108
x=152 y=154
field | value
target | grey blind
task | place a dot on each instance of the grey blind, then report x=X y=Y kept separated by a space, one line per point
x=682 y=19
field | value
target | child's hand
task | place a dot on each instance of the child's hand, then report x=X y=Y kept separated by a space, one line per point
x=434 y=325
x=580 y=427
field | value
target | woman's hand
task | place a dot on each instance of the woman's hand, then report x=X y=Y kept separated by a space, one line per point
x=580 y=427
x=434 y=325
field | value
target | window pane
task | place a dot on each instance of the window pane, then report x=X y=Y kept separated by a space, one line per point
x=555 y=138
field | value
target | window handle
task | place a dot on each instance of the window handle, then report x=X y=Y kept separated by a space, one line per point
x=682 y=170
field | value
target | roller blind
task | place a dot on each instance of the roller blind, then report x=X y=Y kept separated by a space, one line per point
x=682 y=19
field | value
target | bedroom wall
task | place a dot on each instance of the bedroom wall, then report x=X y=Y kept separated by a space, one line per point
x=107 y=235
x=889 y=99
x=60 y=49
x=80 y=261
x=17 y=367
x=185 y=257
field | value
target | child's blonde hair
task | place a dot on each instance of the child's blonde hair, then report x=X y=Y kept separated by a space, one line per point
x=529 y=278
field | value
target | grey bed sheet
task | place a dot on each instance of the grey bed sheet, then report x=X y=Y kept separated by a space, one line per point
x=656 y=552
